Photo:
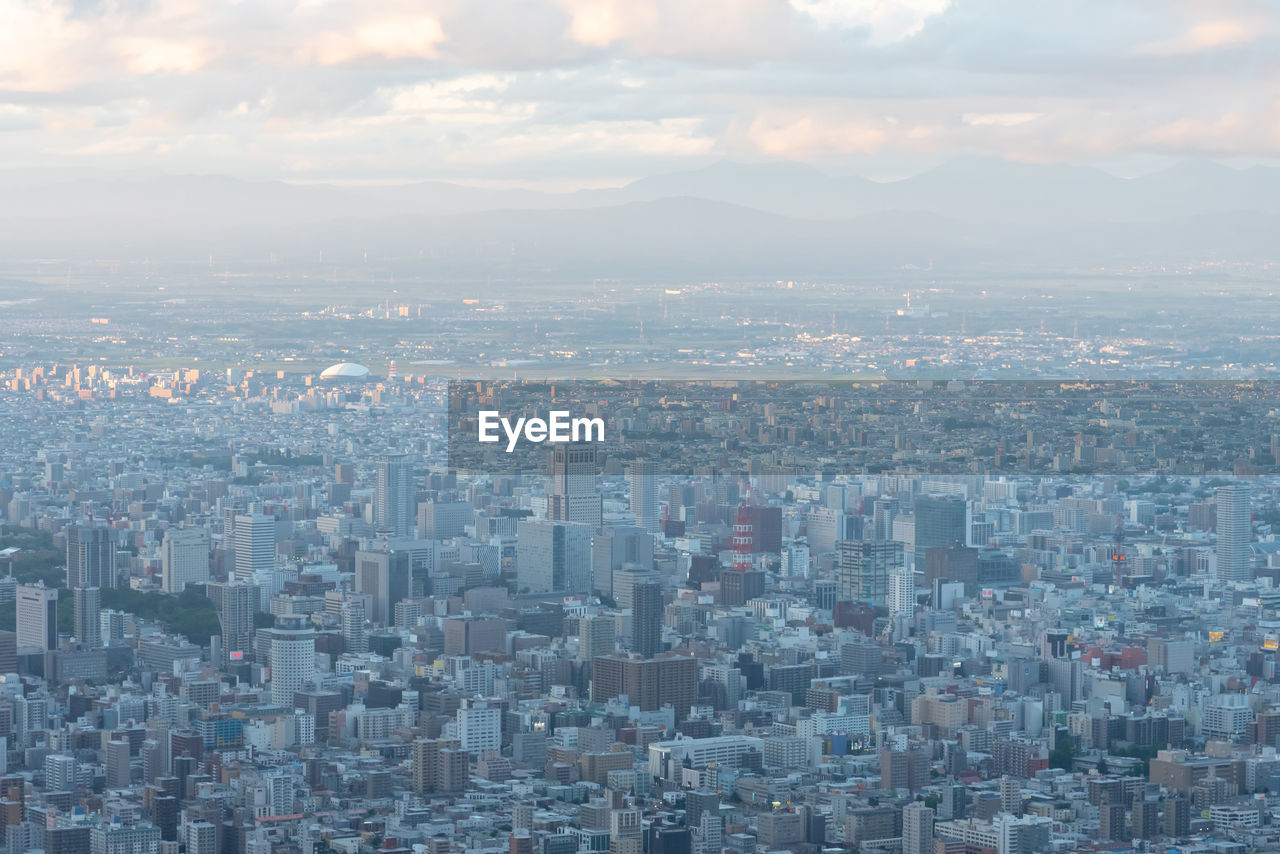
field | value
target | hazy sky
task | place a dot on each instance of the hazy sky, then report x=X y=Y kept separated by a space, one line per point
x=588 y=92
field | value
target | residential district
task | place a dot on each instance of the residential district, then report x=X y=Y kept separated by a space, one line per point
x=260 y=612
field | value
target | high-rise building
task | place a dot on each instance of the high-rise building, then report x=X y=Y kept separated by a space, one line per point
x=917 y=829
x=902 y=592
x=355 y=636
x=441 y=520
x=202 y=838
x=439 y=765
x=615 y=548
x=90 y=557
x=596 y=634
x=649 y=683
x=573 y=495
x=863 y=569
x=385 y=578
x=235 y=604
x=88 y=606
x=293 y=658
x=184 y=557
x=256 y=555
x=479 y=727
x=646 y=618
x=116 y=760
x=37 y=616
x=393 y=498
x=553 y=556
x=642 y=484
x=940 y=522
x=1235 y=532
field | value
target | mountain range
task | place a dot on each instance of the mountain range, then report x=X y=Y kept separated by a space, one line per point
x=725 y=219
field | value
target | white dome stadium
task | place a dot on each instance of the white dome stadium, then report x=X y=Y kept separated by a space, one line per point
x=344 y=371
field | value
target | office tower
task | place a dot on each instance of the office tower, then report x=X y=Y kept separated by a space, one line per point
x=596 y=633
x=88 y=606
x=293 y=658
x=384 y=577
x=355 y=637
x=940 y=521
x=573 y=495
x=235 y=604
x=90 y=557
x=863 y=569
x=256 y=555
x=615 y=548
x=646 y=618
x=184 y=558
x=444 y=519
x=68 y=839
x=884 y=511
x=479 y=728
x=116 y=760
x=553 y=556
x=642 y=484
x=766 y=529
x=917 y=829
x=393 y=498
x=795 y=560
x=1235 y=532
x=649 y=683
x=739 y=587
x=953 y=563
x=37 y=616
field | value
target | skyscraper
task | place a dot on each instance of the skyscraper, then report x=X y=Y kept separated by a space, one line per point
x=863 y=569
x=902 y=592
x=553 y=556
x=1235 y=531
x=384 y=577
x=88 y=606
x=37 y=616
x=573 y=495
x=90 y=557
x=614 y=548
x=646 y=618
x=355 y=637
x=642 y=483
x=940 y=521
x=184 y=558
x=393 y=499
x=256 y=555
x=293 y=658
x=235 y=603
x=596 y=633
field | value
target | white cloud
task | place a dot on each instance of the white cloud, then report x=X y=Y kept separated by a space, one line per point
x=887 y=21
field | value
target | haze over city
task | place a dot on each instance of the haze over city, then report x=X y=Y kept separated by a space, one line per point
x=926 y=496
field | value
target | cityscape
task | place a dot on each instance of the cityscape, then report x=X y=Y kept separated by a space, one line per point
x=603 y=427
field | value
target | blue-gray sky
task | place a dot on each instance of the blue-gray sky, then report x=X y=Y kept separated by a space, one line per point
x=578 y=93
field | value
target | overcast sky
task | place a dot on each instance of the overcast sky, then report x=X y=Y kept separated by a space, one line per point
x=567 y=93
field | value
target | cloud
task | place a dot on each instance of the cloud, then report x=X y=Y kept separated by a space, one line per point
x=887 y=21
x=601 y=88
x=1205 y=36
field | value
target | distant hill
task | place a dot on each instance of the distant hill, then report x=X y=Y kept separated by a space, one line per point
x=725 y=219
